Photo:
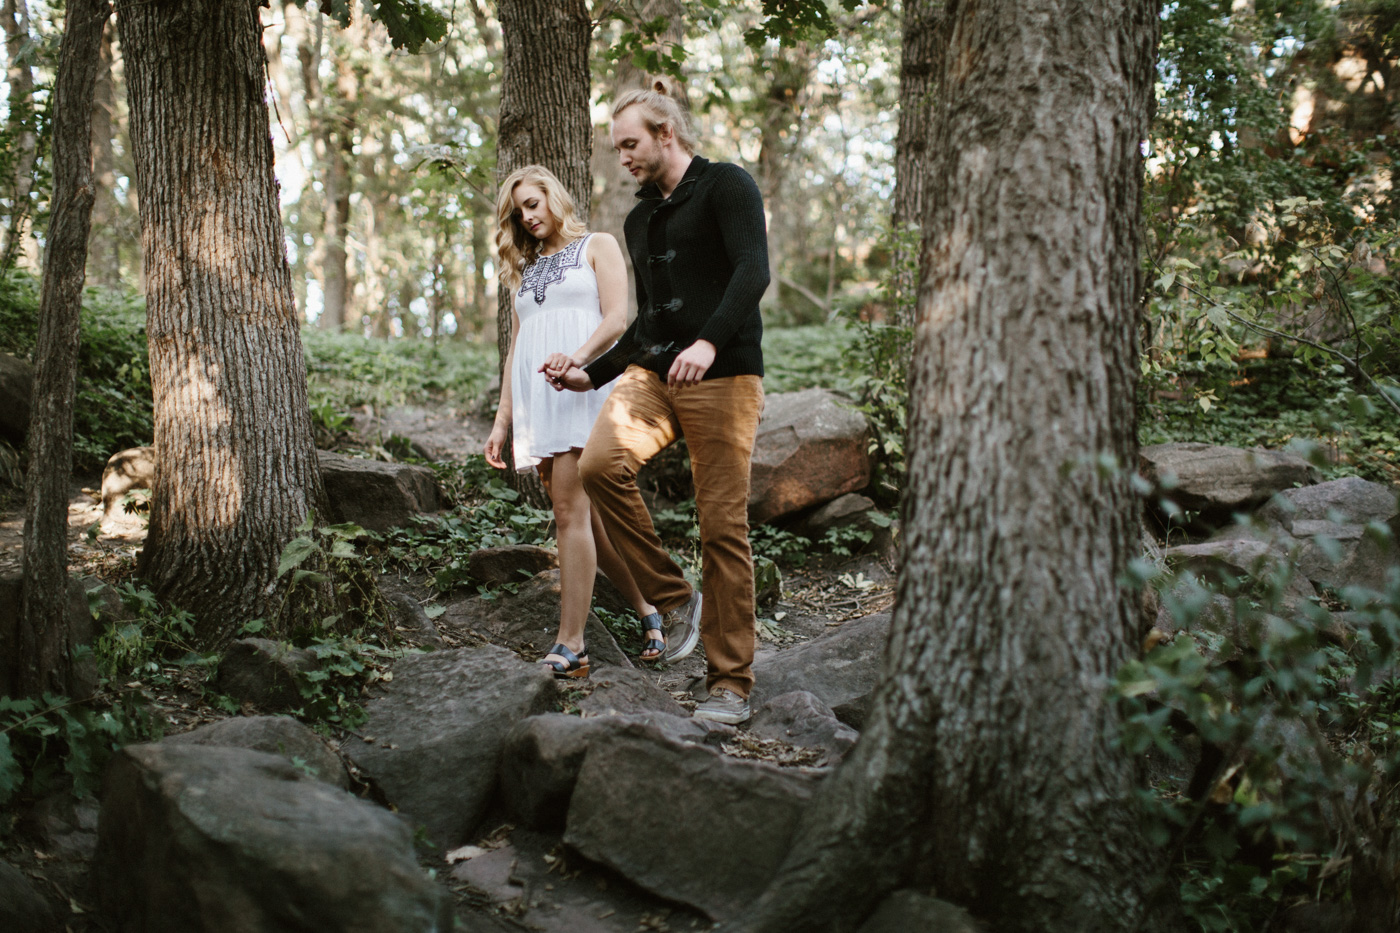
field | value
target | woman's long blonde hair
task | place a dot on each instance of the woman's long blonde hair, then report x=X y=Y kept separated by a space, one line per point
x=517 y=246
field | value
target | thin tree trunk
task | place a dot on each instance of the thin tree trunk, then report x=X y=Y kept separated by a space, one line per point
x=236 y=467
x=338 y=126
x=44 y=637
x=545 y=120
x=988 y=770
x=105 y=255
x=920 y=60
x=789 y=74
x=14 y=15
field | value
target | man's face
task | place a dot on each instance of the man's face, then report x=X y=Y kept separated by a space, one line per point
x=638 y=150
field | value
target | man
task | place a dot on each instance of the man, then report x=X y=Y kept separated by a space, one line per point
x=690 y=364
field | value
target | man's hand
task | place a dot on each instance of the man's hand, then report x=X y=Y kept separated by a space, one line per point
x=574 y=379
x=692 y=364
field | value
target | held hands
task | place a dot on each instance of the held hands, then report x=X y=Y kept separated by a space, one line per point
x=494 y=445
x=692 y=364
x=563 y=372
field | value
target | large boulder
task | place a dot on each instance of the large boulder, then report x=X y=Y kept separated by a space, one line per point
x=1242 y=557
x=622 y=690
x=126 y=470
x=543 y=754
x=377 y=495
x=198 y=839
x=1338 y=512
x=840 y=668
x=812 y=446
x=22 y=908
x=276 y=735
x=906 y=911
x=1217 y=481
x=801 y=718
x=667 y=816
x=264 y=673
x=432 y=740
x=16 y=385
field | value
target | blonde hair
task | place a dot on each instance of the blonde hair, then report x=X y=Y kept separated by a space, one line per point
x=659 y=111
x=517 y=246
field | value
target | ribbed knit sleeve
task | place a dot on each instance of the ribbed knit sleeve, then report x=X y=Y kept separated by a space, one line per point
x=738 y=205
x=610 y=365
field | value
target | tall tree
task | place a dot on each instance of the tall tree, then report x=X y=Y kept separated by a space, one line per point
x=544 y=116
x=237 y=469
x=14 y=17
x=920 y=52
x=988 y=770
x=43 y=648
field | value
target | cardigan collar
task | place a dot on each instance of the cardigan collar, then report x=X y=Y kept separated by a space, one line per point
x=652 y=192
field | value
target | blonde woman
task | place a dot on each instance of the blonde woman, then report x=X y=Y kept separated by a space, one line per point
x=570 y=292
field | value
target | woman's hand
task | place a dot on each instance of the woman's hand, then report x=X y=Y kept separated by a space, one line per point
x=557 y=364
x=494 y=445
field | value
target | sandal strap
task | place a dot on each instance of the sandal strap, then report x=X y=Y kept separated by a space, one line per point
x=652 y=623
x=572 y=661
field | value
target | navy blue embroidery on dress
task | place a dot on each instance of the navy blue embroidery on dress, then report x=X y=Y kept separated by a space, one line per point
x=547 y=270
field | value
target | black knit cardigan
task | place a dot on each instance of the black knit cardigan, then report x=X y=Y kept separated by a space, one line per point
x=700 y=258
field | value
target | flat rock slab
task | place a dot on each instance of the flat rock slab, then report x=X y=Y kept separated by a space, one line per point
x=264 y=673
x=276 y=735
x=621 y=690
x=511 y=563
x=1339 y=511
x=840 y=668
x=907 y=911
x=377 y=495
x=1238 y=557
x=542 y=757
x=437 y=731
x=682 y=843
x=812 y=446
x=527 y=621
x=201 y=838
x=1220 y=480
x=801 y=718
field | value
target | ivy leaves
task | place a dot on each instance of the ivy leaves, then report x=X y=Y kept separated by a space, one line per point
x=411 y=23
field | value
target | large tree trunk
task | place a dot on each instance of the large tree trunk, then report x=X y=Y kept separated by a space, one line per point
x=44 y=636
x=14 y=16
x=544 y=119
x=105 y=254
x=989 y=770
x=236 y=467
x=920 y=59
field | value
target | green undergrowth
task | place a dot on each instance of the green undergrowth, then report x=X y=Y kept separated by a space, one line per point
x=347 y=371
x=1281 y=724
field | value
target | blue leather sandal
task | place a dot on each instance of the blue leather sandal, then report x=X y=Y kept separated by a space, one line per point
x=652 y=623
x=573 y=665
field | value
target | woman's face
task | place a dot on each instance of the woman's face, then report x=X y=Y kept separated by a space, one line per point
x=532 y=207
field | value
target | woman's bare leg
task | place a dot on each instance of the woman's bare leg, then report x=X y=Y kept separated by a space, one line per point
x=578 y=559
x=615 y=569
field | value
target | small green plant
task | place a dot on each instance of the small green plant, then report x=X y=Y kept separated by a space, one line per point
x=134 y=647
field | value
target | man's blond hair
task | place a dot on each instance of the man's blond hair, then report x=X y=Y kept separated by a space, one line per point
x=659 y=112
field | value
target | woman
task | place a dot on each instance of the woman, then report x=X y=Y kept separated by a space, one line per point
x=570 y=291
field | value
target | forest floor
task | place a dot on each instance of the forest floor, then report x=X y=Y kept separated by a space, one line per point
x=523 y=880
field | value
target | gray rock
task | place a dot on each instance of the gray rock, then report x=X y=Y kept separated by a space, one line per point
x=377 y=495
x=528 y=620
x=644 y=803
x=542 y=756
x=1247 y=557
x=812 y=446
x=907 y=911
x=1347 y=500
x=512 y=563
x=1220 y=480
x=264 y=673
x=1339 y=512
x=276 y=735
x=22 y=908
x=410 y=617
x=192 y=837
x=852 y=511
x=126 y=470
x=801 y=718
x=16 y=385
x=621 y=690
x=63 y=825
x=840 y=668
x=437 y=732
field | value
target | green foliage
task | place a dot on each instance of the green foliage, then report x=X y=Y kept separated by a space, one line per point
x=331 y=691
x=796 y=358
x=411 y=24
x=790 y=21
x=113 y=408
x=346 y=371
x=488 y=514
x=55 y=743
x=135 y=646
x=328 y=585
x=1299 y=763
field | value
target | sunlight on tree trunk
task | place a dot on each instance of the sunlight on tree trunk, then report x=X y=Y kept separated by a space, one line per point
x=237 y=471
x=988 y=771
x=43 y=649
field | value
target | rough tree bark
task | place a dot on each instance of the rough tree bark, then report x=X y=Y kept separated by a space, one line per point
x=105 y=259
x=14 y=16
x=544 y=119
x=237 y=469
x=338 y=137
x=790 y=71
x=44 y=637
x=988 y=770
x=921 y=49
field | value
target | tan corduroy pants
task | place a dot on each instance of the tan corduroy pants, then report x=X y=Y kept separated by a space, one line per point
x=719 y=420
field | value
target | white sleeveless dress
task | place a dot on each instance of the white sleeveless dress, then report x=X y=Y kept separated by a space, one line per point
x=559 y=310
